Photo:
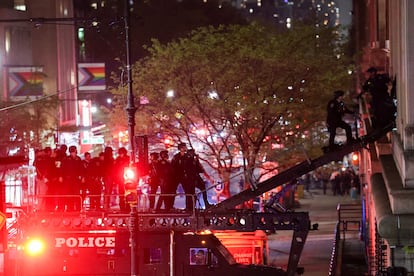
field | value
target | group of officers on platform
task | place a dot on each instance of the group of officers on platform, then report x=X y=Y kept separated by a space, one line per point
x=65 y=180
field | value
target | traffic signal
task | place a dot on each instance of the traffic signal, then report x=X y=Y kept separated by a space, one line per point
x=355 y=159
x=131 y=184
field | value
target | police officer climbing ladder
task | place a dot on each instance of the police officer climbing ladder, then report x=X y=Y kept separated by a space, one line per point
x=335 y=111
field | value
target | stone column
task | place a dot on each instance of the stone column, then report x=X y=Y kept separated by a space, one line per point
x=402 y=58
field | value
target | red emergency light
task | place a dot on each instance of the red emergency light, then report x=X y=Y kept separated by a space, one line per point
x=131 y=184
x=130 y=175
x=35 y=247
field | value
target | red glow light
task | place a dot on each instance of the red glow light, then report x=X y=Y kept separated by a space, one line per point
x=35 y=247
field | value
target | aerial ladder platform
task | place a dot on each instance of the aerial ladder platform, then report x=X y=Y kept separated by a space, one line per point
x=300 y=169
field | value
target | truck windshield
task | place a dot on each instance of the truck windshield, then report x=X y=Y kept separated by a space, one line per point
x=223 y=250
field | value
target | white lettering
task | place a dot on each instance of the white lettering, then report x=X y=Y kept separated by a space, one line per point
x=99 y=242
x=110 y=241
x=71 y=242
x=85 y=242
x=90 y=241
x=59 y=242
x=82 y=242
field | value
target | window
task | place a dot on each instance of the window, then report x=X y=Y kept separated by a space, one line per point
x=19 y=5
x=152 y=255
x=198 y=256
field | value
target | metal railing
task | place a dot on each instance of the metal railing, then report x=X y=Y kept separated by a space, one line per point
x=350 y=218
x=333 y=264
x=110 y=203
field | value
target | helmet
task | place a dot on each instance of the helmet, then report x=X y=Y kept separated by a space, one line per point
x=122 y=151
x=108 y=150
x=182 y=145
x=164 y=153
x=339 y=93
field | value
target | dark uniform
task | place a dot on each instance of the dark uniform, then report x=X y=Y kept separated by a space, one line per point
x=121 y=162
x=72 y=177
x=93 y=180
x=382 y=103
x=194 y=175
x=181 y=163
x=336 y=110
x=44 y=164
x=166 y=182
x=108 y=166
x=57 y=179
x=153 y=178
x=86 y=163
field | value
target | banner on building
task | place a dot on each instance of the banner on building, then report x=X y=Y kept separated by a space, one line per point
x=25 y=81
x=91 y=76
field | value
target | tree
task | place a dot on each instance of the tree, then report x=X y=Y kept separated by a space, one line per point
x=160 y=19
x=27 y=124
x=237 y=88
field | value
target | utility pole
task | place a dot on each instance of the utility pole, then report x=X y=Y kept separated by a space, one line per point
x=131 y=109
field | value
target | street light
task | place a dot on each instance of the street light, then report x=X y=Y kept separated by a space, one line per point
x=355 y=159
x=131 y=109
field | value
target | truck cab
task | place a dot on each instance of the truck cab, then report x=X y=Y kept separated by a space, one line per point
x=86 y=244
x=194 y=254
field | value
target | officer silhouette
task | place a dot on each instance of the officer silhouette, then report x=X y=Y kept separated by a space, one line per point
x=336 y=110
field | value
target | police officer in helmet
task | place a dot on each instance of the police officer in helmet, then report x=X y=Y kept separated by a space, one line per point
x=336 y=109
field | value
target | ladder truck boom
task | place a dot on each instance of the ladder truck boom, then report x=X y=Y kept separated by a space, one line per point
x=301 y=169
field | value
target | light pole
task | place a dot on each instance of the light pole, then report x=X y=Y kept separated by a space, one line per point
x=131 y=109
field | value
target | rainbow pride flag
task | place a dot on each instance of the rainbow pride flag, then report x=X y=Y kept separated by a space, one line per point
x=25 y=81
x=91 y=76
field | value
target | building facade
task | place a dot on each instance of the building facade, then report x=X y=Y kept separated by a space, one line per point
x=38 y=59
x=54 y=46
x=384 y=32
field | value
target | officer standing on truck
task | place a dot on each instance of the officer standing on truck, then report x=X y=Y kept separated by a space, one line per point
x=181 y=163
x=108 y=165
x=166 y=182
x=153 y=178
x=120 y=163
x=195 y=169
x=96 y=174
x=72 y=178
x=44 y=164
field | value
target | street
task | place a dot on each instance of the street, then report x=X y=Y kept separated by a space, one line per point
x=317 y=251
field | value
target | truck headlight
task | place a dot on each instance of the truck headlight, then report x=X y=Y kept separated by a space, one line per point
x=35 y=247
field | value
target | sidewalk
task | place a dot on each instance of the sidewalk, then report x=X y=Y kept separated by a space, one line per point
x=316 y=255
